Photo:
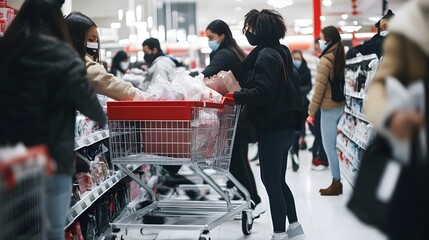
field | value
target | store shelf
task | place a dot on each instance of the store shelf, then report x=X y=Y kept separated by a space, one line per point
x=88 y=198
x=350 y=136
x=347 y=174
x=356 y=114
x=91 y=139
x=352 y=158
x=356 y=94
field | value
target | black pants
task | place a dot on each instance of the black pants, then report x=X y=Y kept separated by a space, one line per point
x=240 y=167
x=273 y=152
x=317 y=149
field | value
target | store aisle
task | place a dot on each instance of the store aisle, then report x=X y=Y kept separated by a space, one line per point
x=323 y=218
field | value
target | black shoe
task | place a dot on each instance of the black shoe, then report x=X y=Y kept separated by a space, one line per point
x=302 y=145
x=295 y=162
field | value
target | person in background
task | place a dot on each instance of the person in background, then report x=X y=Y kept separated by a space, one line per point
x=273 y=106
x=226 y=55
x=120 y=64
x=42 y=84
x=375 y=44
x=85 y=40
x=304 y=84
x=105 y=65
x=406 y=58
x=331 y=68
x=159 y=64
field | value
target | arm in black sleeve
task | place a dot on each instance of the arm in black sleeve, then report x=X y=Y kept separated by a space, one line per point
x=220 y=61
x=82 y=93
x=266 y=74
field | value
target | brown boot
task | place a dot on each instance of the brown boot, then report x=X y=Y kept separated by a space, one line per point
x=335 y=189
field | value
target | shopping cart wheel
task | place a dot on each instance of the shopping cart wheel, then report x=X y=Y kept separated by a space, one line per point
x=205 y=235
x=247 y=222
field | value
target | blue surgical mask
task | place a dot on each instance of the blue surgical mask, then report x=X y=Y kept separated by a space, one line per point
x=214 y=45
x=297 y=63
x=323 y=45
x=384 y=33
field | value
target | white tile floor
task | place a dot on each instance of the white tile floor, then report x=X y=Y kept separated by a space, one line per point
x=322 y=217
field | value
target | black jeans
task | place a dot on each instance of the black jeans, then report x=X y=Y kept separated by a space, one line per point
x=273 y=151
x=240 y=167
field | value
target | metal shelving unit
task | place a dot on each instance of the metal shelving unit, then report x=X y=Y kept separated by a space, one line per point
x=91 y=139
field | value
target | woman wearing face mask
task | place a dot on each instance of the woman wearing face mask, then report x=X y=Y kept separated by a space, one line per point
x=120 y=64
x=273 y=105
x=331 y=68
x=226 y=55
x=84 y=36
x=305 y=86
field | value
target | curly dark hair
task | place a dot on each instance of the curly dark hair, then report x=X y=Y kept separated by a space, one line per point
x=267 y=24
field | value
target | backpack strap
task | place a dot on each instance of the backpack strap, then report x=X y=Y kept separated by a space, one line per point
x=284 y=68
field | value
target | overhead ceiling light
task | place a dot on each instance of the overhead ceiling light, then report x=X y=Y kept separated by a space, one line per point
x=280 y=3
x=120 y=14
x=149 y=22
x=139 y=13
x=115 y=25
x=327 y=3
x=350 y=29
x=341 y=23
x=303 y=22
x=344 y=16
x=374 y=19
x=355 y=23
x=322 y=18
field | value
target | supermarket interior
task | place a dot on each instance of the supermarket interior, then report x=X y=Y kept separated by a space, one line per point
x=214 y=120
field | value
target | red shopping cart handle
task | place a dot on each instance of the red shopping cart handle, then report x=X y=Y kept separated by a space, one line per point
x=229 y=98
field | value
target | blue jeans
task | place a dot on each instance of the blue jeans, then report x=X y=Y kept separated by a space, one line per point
x=273 y=150
x=58 y=193
x=329 y=121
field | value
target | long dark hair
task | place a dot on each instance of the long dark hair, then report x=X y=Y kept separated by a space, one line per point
x=79 y=25
x=268 y=25
x=333 y=36
x=220 y=27
x=119 y=57
x=36 y=17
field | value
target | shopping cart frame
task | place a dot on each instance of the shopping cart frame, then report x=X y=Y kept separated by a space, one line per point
x=214 y=213
x=22 y=194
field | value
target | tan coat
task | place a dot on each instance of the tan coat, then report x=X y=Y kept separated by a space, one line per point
x=107 y=84
x=322 y=97
x=403 y=60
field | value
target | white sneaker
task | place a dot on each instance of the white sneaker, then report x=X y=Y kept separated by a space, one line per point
x=295 y=231
x=279 y=236
x=258 y=210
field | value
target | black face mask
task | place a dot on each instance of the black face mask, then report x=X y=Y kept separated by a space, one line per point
x=252 y=38
x=92 y=50
x=149 y=58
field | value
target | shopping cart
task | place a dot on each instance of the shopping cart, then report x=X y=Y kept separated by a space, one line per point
x=22 y=194
x=198 y=134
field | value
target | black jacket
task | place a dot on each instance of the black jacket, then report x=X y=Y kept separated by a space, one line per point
x=374 y=45
x=305 y=79
x=271 y=102
x=225 y=59
x=42 y=84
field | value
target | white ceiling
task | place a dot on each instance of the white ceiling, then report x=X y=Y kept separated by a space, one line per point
x=103 y=12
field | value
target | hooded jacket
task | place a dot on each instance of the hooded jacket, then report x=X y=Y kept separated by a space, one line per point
x=42 y=84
